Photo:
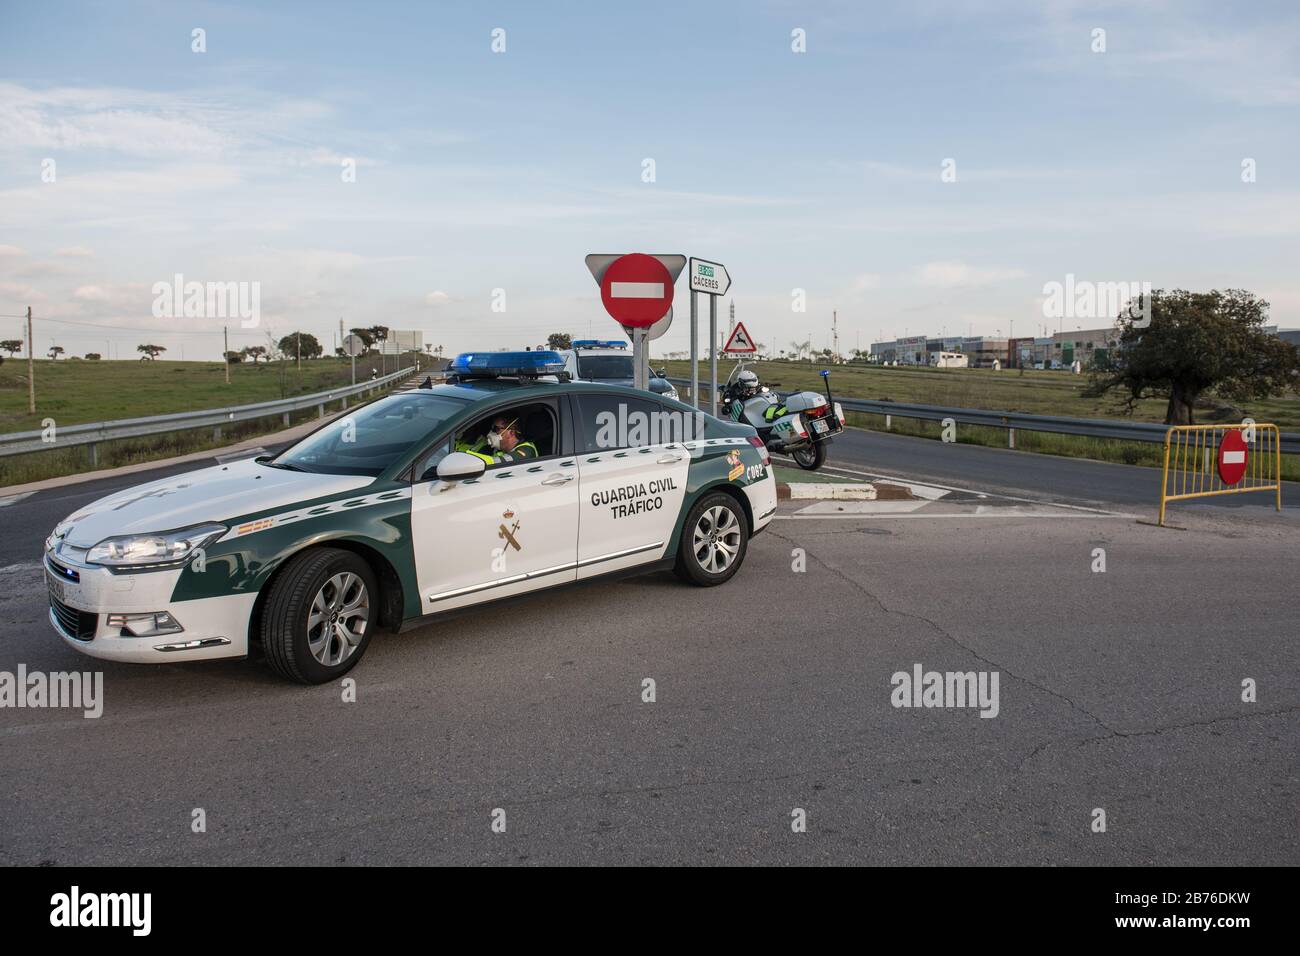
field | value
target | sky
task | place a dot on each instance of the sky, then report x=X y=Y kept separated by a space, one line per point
x=918 y=167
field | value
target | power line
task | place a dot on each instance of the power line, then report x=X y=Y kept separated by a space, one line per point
x=132 y=330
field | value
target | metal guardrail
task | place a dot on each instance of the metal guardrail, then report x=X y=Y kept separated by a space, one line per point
x=18 y=443
x=1059 y=424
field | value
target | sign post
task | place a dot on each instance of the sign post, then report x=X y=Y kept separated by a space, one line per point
x=353 y=345
x=637 y=292
x=712 y=279
x=695 y=351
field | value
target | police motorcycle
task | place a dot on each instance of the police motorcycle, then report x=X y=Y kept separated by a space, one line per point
x=800 y=425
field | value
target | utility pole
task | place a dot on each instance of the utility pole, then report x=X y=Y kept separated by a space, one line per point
x=835 y=336
x=31 y=366
x=225 y=350
x=297 y=338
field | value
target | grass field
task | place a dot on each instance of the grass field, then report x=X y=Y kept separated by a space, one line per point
x=1034 y=392
x=72 y=393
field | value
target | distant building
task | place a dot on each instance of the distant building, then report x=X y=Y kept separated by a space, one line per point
x=1058 y=351
x=982 y=352
x=943 y=359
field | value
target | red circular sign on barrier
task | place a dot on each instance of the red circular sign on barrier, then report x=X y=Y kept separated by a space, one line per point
x=637 y=290
x=1232 y=458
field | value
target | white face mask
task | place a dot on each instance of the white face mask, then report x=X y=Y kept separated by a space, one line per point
x=494 y=440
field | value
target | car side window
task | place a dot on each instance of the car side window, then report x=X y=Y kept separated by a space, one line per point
x=426 y=469
x=529 y=431
x=609 y=421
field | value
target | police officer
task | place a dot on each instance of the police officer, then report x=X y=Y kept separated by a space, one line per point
x=502 y=443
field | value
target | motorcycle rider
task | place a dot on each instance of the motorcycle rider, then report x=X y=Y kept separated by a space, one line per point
x=747 y=387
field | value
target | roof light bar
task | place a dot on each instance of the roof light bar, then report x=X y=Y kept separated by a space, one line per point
x=503 y=364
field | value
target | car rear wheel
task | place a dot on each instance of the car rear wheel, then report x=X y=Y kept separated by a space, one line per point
x=319 y=616
x=714 y=540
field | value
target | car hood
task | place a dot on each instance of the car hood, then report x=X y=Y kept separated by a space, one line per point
x=219 y=493
x=663 y=383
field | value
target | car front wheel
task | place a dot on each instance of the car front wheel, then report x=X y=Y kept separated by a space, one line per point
x=319 y=616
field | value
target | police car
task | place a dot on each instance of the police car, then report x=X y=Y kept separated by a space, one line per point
x=378 y=521
x=609 y=363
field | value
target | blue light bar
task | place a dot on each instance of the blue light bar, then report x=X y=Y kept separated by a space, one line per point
x=494 y=364
x=598 y=344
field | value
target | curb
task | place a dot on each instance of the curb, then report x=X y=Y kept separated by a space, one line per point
x=830 y=491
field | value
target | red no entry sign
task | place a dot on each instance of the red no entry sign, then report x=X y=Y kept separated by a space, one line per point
x=1232 y=457
x=637 y=290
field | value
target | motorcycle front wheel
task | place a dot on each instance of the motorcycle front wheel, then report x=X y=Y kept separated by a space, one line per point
x=811 y=458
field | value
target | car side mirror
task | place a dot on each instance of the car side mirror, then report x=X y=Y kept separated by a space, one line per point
x=459 y=465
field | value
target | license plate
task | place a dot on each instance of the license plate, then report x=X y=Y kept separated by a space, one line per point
x=820 y=427
x=56 y=589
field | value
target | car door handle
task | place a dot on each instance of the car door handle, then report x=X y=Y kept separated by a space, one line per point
x=556 y=478
x=668 y=459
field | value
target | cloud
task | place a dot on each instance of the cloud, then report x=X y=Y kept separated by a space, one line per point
x=437 y=298
x=75 y=252
x=956 y=274
x=210 y=125
x=20 y=292
x=864 y=282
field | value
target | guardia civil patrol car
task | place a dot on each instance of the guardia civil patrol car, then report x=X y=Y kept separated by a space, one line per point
x=381 y=520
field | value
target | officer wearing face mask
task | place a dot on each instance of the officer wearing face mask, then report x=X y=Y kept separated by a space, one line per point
x=503 y=443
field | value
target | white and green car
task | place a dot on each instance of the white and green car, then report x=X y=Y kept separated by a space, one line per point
x=401 y=510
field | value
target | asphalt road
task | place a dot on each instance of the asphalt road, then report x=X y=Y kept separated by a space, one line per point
x=1069 y=480
x=1118 y=690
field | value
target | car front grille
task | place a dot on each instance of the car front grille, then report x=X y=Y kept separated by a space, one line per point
x=62 y=570
x=74 y=623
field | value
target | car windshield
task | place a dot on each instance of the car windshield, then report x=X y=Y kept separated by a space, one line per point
x=369 y=440
x=599 y=367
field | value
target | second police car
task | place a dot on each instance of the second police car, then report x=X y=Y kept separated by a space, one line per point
x=609 y=363
x=382 y=519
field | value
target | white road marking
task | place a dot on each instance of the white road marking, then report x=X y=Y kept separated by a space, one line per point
x=14 y=499
x=1032 y=501
x=848 y=508
x=950 y=514
x=15 y=568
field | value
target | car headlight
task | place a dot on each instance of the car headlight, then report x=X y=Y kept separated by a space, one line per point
x=153 y=550
x=672 y=393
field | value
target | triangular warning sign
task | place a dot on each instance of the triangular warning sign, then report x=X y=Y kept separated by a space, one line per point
x=739 y=340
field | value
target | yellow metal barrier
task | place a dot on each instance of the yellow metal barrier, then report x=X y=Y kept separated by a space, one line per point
x=1193 y=453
